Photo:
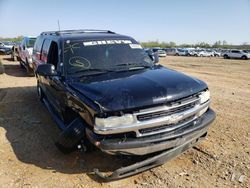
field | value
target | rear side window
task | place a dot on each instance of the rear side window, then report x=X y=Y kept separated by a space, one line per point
x=38 y=47
x=45 y=50
x=235 y=51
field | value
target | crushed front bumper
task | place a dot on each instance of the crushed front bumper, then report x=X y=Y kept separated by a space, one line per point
x=154 y=143
x=165 y=147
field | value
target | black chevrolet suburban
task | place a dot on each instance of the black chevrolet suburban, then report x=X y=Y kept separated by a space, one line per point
x=104 y=90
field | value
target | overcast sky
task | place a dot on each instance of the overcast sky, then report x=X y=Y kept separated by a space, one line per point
x=181 y=21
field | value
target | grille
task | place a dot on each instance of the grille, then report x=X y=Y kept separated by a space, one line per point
x=153 y=115
x=162 y=127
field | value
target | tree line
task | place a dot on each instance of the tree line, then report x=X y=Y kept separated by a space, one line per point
x=218 y=44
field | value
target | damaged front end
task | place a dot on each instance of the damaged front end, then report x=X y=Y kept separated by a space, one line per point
x=162 y=132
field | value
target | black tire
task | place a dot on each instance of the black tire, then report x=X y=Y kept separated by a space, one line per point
x=39 y=92
x=29 y=71
x=195 y=55
x=177 y=54
x=73 y=135
x=226 y=57
x=21 y=65
x=244 y=57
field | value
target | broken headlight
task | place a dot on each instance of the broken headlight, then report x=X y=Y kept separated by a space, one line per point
x=114 y=121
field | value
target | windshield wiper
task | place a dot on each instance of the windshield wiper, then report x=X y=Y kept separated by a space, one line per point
x=129 y=66
x=95 y=70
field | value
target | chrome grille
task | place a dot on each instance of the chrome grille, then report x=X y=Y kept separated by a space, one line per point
x=149 y=116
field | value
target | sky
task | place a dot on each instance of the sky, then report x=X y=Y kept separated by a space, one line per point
x=181 y=21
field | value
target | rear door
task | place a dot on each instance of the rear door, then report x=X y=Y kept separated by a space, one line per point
x=235 y=53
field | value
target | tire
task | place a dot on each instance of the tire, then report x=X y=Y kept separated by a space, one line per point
x=39 y=92
x=21 y=65
x=226 y=57
x=177 y=54
x=72 y=136
x=244 y=57
x=195 y=55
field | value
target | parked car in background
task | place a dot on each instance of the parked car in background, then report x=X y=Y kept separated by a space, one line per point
x=216 y=53
x=177 y=51
x=161 y=53
x=5 y=50
x=171 y=51
x=8 y=44
x=237 y=54
x=25 y=53
x=201 y=53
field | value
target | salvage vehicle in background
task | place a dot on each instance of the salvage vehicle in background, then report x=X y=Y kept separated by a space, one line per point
x=161 y=53
x=236 y=54
x=104 y=90
x=7 y=44
x=201 y=53
x=25 y=53
x=5 y=50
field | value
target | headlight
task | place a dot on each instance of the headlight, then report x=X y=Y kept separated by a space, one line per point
x=204 y=96
x=114 y=121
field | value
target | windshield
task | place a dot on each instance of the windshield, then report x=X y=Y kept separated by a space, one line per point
x=31 y=42
x=101 y=56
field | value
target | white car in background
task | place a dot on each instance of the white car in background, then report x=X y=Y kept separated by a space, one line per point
x=161 y=53
x=237 y=54
x=25 y=53
x=201 y=53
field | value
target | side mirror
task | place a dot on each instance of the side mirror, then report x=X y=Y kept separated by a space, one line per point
x=154 y=56
x=46 y=70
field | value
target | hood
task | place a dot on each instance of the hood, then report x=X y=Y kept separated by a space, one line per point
x=134 y=89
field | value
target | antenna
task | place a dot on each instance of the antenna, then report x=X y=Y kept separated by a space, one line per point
x=58 y=22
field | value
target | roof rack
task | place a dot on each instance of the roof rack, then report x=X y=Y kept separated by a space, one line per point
x=76 y=32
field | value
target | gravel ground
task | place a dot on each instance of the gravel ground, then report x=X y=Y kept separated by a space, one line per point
x=28 y=157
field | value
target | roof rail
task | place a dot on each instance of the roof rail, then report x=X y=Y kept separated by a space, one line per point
x=76 y=32
x=49 y=33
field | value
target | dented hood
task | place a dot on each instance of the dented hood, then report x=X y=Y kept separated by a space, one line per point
x=147 y=87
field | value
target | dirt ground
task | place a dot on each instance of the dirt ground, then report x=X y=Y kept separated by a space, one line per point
x=29 y=158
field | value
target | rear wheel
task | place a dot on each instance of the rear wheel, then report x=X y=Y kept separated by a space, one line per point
x=244 y=57
x=195 y=55
x=21 y=65
x=226 y=57
x=39 y=92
